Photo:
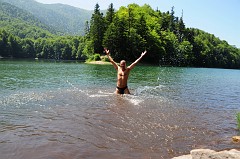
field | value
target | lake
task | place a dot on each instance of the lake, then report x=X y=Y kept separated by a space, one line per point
x=67 y=110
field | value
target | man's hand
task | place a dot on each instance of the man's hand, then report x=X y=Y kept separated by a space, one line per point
x=134 y=63
x=143 y=53
x=106 y=51
x=110 y=58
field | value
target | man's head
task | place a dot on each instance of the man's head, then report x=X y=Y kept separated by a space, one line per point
x=123 y=64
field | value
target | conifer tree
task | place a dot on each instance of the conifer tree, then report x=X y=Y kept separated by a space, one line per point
x=110 y=14
x=97 y=29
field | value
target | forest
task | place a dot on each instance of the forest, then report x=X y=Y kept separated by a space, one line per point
x=126 y=32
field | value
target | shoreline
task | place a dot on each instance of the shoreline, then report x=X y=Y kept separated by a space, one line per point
x=98 y=62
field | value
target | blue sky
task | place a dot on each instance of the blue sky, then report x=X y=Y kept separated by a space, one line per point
x=218 y=17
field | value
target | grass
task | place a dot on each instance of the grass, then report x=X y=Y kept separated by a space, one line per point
x=238 y=120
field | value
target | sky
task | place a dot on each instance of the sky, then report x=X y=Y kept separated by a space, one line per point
x=218 y=17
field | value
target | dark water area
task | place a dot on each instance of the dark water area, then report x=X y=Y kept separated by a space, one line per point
x=68 y=110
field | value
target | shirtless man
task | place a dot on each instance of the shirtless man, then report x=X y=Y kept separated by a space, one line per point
x=123 y=72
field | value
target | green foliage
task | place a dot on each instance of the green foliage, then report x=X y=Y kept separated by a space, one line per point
x=126 y=32
x=238 y=120
x=88 y=49
x=110 y=14
x=22 y=23
x=11 y=13
x=95 y=57
x=57 y=48
x=105 y=59
x=62 y=18
x=97 y=29
x=136 y=28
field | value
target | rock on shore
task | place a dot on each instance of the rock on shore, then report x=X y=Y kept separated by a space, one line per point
x=211 y=154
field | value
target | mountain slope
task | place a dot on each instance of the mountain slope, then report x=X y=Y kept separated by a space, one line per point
x=64 y=18
x=22 y=23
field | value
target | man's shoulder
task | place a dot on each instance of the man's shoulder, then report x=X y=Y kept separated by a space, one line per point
x=129 y=68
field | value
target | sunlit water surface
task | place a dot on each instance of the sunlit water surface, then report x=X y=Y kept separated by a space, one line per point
x=68 y=110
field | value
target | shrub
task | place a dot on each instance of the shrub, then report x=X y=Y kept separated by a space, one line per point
x=238 y=120
x=96 y=57
x=105 y=59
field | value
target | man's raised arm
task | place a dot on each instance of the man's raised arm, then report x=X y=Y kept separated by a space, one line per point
x=135 y=62
x=110 y=58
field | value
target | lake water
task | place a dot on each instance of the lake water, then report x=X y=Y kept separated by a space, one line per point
x=68 y=111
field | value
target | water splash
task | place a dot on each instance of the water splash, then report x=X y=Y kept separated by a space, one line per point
x=100 y=94
x=135 y=100
x=149 y=90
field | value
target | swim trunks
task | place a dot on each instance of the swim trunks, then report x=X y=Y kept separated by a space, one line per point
x=121 y=90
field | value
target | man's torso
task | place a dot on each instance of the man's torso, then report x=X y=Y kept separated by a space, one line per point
x=122 y=77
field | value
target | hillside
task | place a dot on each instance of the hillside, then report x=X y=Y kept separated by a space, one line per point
x=63 y=18
x=22 y=23
x=162 y=34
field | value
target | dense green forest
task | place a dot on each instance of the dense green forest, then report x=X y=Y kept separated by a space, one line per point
x=126 y=32
x=133 y=29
